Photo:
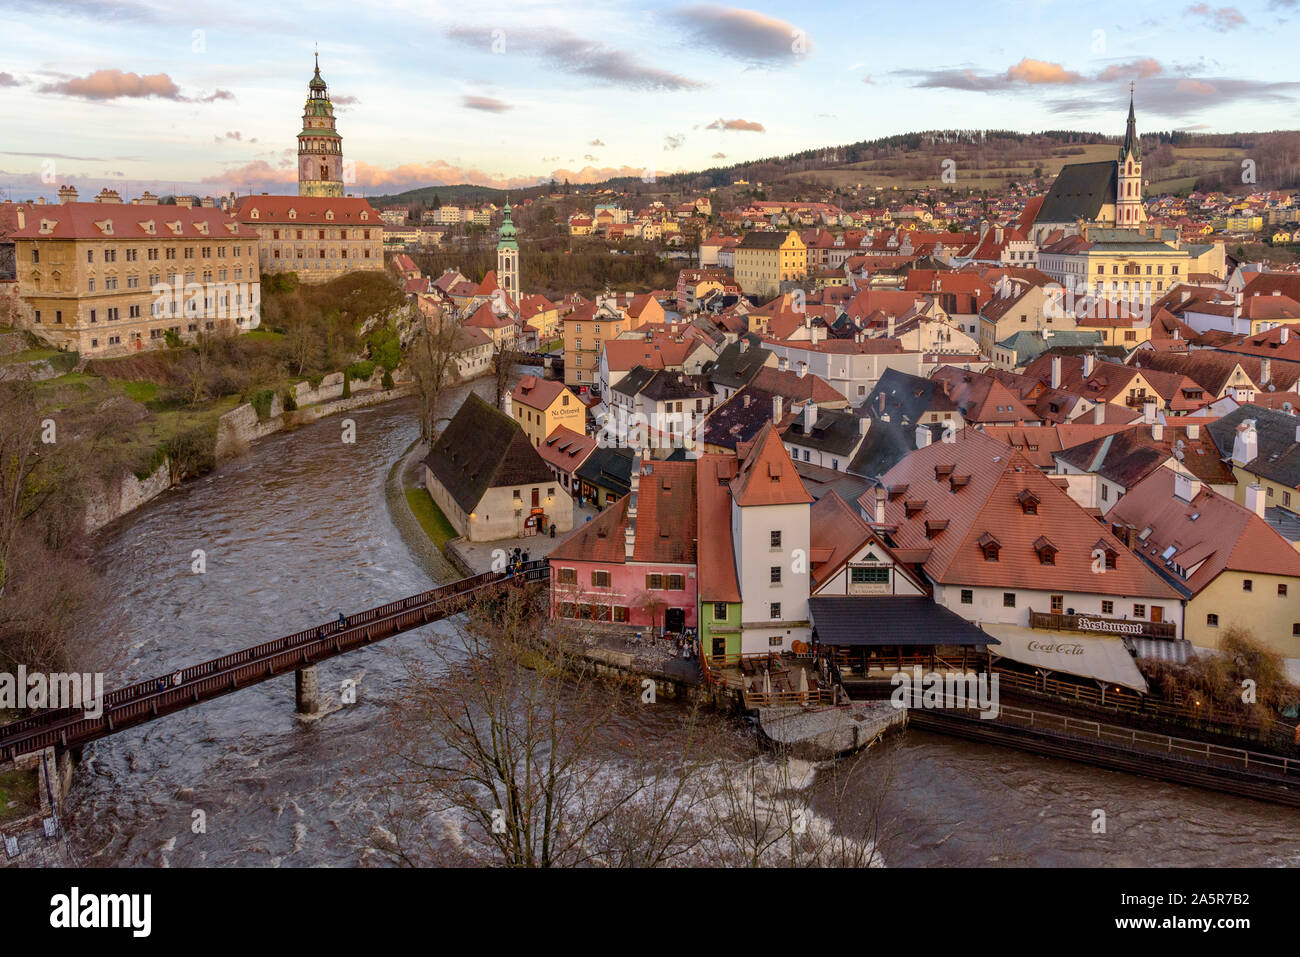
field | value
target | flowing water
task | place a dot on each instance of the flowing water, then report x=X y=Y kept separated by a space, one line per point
x=299 y=530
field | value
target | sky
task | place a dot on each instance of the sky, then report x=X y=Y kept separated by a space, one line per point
x=144 y=94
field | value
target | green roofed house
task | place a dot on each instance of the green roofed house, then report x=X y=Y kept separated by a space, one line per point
x=489 y=480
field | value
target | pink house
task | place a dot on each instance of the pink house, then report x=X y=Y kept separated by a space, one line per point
x=634 y=564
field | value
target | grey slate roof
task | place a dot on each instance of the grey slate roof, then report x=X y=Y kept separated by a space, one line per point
x=482 y=448
x=890 y=620
x=903 y=398
x=1279 y=453
x=835 y=432
x=738 y=363
x=608 y=468
x=1079 y=192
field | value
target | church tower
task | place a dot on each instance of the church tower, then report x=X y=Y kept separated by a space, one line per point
x=1129 y=211
x=508 y=257
x=320 y=148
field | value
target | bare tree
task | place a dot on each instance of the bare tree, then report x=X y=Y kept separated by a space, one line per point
x=505 y=356
x=432 y=359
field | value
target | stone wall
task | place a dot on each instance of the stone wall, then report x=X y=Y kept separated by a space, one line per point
x=240 y=426
x=124 y=495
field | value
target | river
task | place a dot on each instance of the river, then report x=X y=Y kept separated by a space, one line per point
x=298 y=529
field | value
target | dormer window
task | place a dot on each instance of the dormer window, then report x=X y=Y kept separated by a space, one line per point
x=1046 y=550
x=1107 y=550
x=942 y=471
x=329 y=214
x=896 y=492
x=1028 y=502
x=958 y=481
x=990 y=547
x=933 y=526
x=253 y=214
x=293 y=214
x=914 y=507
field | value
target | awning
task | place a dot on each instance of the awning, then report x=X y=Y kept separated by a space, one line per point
x=1161 y=649
x=890 y=620
x=1100 y=658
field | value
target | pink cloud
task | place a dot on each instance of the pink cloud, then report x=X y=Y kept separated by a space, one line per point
x=111 y=84
x=1034 y=72
x=743 y=125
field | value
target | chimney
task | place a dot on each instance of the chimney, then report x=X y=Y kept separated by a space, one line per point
x=1245 y=444
x=1284 y=335
x=1193 y=431
x=864 y=425
x=1236 y=306
x=1256 y=496
x=1158 y=431
x=781 y=364
x=1265 y=370
x=1056 y=372
x=1186 y=486
x=67 y=194
x=184 y=202
x=745 y=402
x=629 y=535
x=922 y=437
x=1089 y=362
x=809 y=416
x=1149 y=411
x=509 y=407
x=777 y=409
x=889 y=328
x=802 y=370
x=1099 y=414
x=880 y=505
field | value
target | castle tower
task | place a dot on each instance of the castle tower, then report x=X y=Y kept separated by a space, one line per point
x=508 y=257
x=1129 y=211
x=320 y=148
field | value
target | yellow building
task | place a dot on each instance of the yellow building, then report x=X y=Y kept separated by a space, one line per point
x=542 y=315
x=106 y=278
x=765 y=260
x=318 y=237
x=585 y=330
x=542 y=405
x=1119 y=264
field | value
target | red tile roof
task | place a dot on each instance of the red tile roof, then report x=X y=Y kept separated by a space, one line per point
x=308 y=210
x=989 y=507
x=538 y=393
x=122 y=221
x=566 y=449
x=716 y=559
x=767 y=476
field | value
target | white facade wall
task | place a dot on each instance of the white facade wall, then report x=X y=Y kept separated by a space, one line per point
x=751 y=530
x=988 y=604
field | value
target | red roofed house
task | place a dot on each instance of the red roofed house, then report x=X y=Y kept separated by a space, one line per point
x=540 y=406
x=1007 y=547
x=317 y=237
x=106 y=277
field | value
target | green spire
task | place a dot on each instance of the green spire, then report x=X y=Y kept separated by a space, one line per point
x=508 y=232
x=1132 y=144
x=317 y=83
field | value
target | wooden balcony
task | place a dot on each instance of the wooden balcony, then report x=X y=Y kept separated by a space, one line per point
x=1121 y=627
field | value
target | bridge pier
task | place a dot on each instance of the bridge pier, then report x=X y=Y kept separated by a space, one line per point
x=306 y=690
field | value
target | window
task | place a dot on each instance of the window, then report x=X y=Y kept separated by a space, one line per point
x=774 y=641
x=1295 y=629
x=654 y=582
x=676 y=582
x=1139 y=611
x=1058 y=604
x=1247 y=584
x=1108 y=607
x=774 y=610
x=1008 y=599
x=621 y=613
x=967 y=596
x=870 y=575
x=1212 y=621
x=600 y=579
x=719 y=611
x=776 y=538
x=774 y=574
x=1281 y=591
x=1105 y=492
x=568 y=576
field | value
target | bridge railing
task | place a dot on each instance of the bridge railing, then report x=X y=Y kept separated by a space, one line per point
x=209 y=678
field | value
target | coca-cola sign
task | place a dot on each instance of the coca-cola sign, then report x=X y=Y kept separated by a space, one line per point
x=1056 y=647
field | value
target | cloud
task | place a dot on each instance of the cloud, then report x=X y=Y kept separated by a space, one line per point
x=344 y=100
x=596 y=143
x=1188 y=97
x=1224 y=18
x=234 y=136
x=743 y=33
x=1034 y=72
x=111 y=84
x=1135 y=69
x=589 y=158
x=212 y=98
x=719 y=156
x=867 y=78
x=8 y=79
x=743 y=125
x=576 y=54
x=674 y=141
x=486 y=103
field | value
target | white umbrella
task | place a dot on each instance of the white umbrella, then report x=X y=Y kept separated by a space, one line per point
x=767 y=682
x=803 y=681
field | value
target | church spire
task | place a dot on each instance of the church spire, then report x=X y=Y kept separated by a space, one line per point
x=1132 y=144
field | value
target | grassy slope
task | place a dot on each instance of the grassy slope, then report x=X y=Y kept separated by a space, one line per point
x=431 y=519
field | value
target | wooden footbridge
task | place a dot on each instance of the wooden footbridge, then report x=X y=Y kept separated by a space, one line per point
x=146 y=701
